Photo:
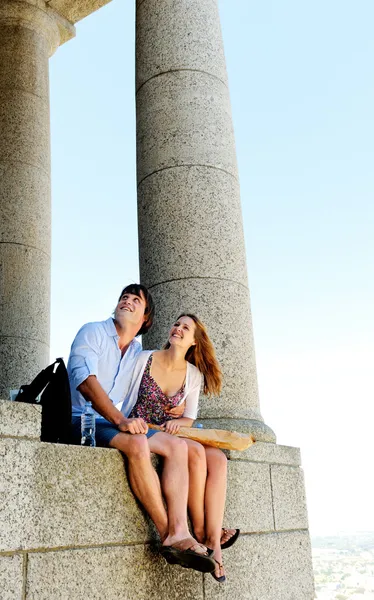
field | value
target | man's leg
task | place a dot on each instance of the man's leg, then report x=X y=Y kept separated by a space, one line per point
x=143 y=478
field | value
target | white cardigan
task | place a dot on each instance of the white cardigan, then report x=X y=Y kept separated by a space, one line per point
x=191 y=388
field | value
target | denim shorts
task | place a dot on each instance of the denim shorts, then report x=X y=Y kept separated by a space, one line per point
x=105 y=431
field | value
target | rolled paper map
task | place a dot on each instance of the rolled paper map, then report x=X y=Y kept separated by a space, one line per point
x=218 y=438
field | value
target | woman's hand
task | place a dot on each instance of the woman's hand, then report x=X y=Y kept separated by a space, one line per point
x=177 y=411
x=171 y=427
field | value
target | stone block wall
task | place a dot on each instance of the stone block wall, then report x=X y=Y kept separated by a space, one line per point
x=71 y=529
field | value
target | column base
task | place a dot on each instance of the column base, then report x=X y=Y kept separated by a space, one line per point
x=258 y=429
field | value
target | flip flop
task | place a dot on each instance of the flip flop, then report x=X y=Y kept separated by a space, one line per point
x=181 y=554
x=231 y=541
x=222 y=578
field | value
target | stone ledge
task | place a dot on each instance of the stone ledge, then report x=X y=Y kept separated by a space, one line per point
x=20 y=420
x=67 y=496
x=268 y=452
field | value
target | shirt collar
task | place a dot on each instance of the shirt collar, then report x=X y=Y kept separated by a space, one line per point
x=111 y=330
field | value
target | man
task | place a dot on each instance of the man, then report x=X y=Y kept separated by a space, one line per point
x=100 y=365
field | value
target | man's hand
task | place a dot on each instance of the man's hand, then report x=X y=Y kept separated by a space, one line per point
x=177 y=411
x=171 y=427
x=133 y=426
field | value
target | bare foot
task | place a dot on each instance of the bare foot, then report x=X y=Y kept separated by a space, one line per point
x=219 y=570
x=174 y=540
x=227 y=535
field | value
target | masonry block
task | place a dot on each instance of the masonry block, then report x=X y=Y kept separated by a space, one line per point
x=249 y=503
x=122 y=573
x=275 y=566
x=289 y=497
x=20 y=420
x=11 y=577
x=56 y=495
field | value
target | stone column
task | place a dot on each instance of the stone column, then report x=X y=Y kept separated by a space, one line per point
x=28 y=37
x=192 y=254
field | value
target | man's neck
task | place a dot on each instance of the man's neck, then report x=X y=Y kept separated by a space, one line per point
x=126 y=334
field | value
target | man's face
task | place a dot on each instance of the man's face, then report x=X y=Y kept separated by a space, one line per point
x=130 y=310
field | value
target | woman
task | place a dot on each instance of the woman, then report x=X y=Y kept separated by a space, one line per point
x=164 y=379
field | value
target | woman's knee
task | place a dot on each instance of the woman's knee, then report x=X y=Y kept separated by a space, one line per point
x=196 y=453
x=175 y=446
x=216 y=459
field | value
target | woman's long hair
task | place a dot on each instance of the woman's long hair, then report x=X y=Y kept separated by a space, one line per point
x=203 y=356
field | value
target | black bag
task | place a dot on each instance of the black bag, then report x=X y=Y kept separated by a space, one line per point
x=53 y=385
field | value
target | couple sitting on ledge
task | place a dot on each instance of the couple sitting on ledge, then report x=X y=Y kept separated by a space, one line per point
x=128 y=389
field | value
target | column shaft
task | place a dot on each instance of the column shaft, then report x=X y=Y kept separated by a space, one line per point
x=28 y=36
x=192 y=254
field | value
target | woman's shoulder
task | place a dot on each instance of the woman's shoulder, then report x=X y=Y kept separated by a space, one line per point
x=145 y=353
x=194 y=372
x=143 y=356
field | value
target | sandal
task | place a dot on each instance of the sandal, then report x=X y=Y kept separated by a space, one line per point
x=231 y=541
x=221 y=578
x=181 y=554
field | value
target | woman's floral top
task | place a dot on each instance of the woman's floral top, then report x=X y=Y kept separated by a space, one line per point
x=152 y=402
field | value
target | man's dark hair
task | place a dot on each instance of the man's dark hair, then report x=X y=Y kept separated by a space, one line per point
x=149 y=312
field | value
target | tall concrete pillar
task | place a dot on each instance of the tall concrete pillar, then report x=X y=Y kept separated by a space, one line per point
x=192 y=254
x=29 y=34
x=192 y=258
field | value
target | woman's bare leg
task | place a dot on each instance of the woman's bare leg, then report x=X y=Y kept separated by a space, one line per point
x=215 y=498
x=197 y=470
x=174 y=484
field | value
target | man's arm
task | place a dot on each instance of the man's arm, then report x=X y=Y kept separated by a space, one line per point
x=92 y=391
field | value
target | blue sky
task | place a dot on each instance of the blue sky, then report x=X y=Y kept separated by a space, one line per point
x=302 y=93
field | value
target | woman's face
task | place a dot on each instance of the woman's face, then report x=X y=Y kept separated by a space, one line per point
x=182 y=333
